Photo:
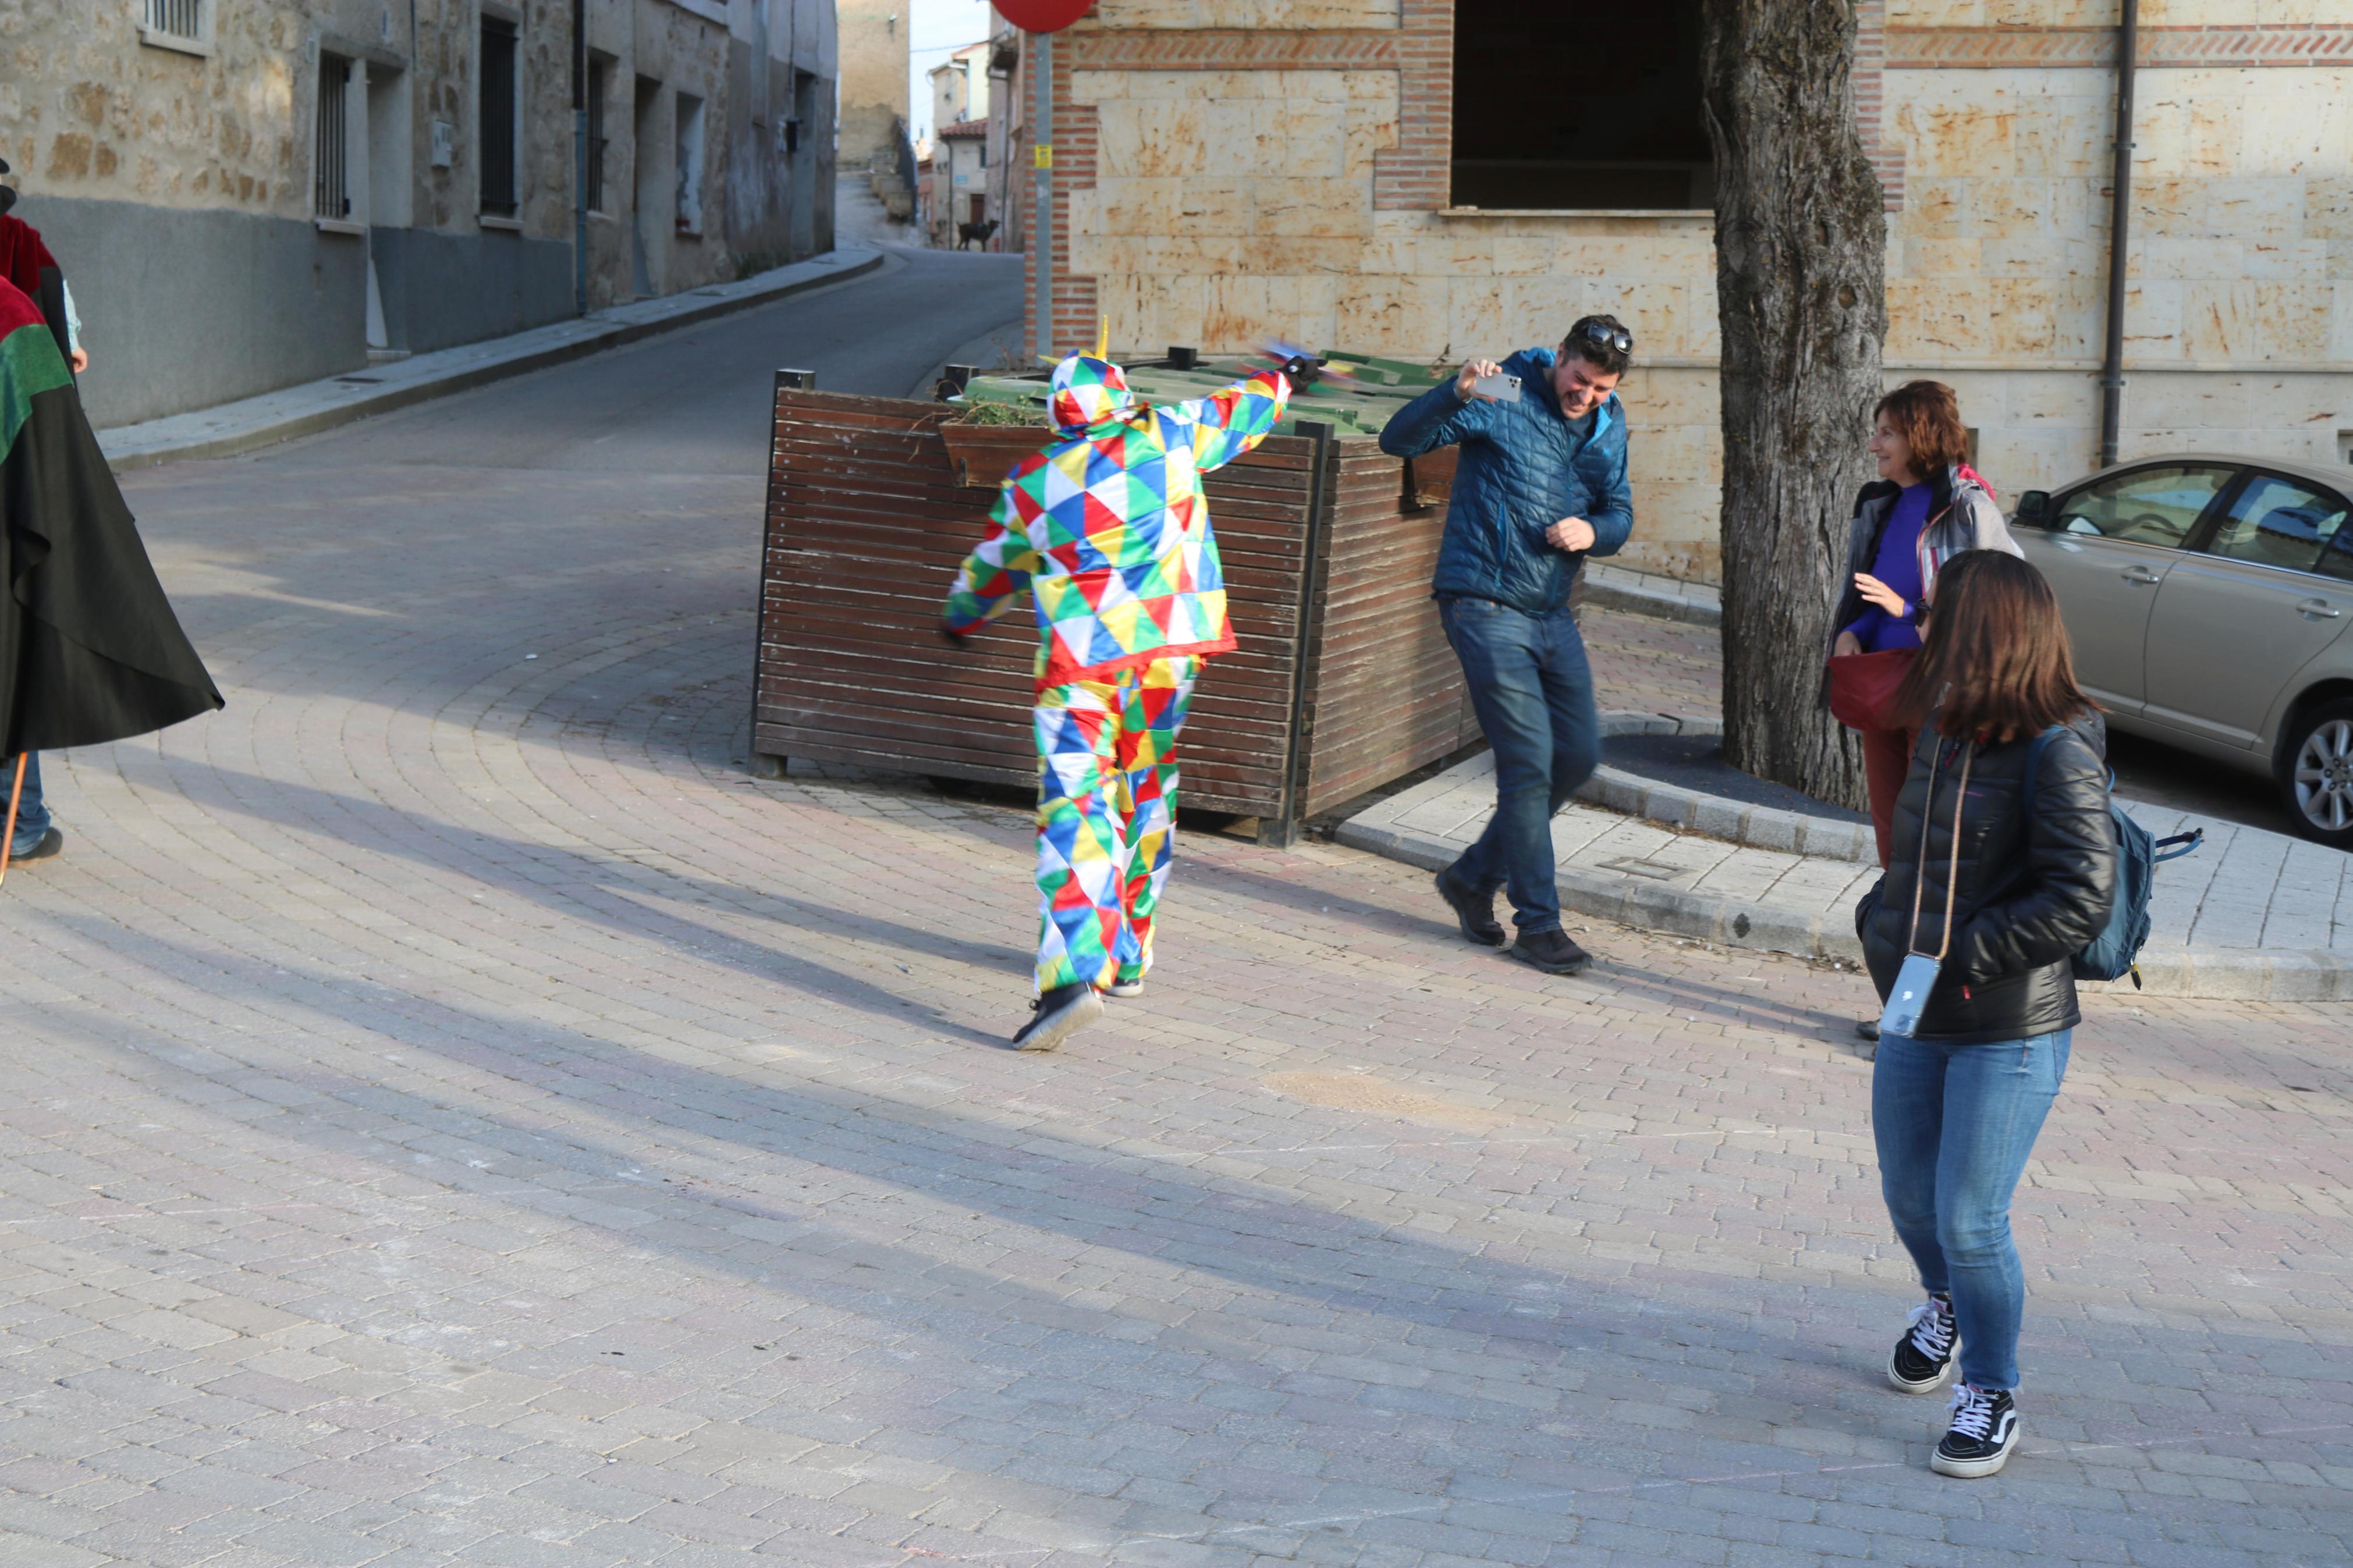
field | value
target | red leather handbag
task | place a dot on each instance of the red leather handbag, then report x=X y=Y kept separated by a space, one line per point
x=1864 y=688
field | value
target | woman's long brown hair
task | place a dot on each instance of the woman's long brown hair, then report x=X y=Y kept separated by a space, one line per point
x=1996 y=664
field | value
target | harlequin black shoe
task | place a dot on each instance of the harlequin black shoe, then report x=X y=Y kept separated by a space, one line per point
x=1061 y=1013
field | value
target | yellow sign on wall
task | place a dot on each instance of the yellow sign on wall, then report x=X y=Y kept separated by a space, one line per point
x=1041 y=156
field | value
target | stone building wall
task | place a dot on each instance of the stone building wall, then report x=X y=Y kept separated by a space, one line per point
x=177 y=184
x=874 y=61
x=1238 y=171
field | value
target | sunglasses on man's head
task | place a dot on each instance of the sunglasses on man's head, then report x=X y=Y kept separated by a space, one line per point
x=1617 y=338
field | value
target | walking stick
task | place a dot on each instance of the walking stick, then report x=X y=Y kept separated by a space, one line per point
x=15 y=794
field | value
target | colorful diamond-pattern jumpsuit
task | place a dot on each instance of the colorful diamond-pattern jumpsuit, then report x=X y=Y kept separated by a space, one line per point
x=1106 y=819
x=1109 y=531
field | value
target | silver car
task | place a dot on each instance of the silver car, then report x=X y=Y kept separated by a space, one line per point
x=2207 y=597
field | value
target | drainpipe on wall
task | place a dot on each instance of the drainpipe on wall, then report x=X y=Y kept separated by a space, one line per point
x=1041 y=217
x=2112 y=372
x=580 y=156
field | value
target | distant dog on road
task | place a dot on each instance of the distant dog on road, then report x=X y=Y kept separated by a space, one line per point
x=976 y=232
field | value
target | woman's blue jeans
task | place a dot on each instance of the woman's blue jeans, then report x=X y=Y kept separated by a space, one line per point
x=1955 y=1124
x=1534 y=694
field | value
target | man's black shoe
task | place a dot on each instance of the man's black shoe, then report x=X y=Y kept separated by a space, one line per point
x=1984 y=1433
x=52 y=842
x=1061 y=1013
x=1923 y=1356
x=1475 y=914
x=1550 y=950
x=1868 y=1029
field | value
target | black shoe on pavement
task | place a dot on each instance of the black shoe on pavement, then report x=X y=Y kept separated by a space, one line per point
x=1868 y=1029
x=1985 y=1430
x=51 y=842
x=1476 y=915
x=1061 y=1013
x=1550 y=950
x=1923 y=1356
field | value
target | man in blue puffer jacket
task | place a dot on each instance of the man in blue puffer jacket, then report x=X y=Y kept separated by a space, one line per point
x=1541 y=485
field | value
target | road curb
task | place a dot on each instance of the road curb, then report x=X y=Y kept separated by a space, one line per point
x=1714 y=816
x=1629 y=900
x=1648 y=593
x=347 y=408
x=2232 y=975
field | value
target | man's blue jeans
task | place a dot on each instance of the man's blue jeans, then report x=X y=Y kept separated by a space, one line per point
x=32 y=816
x=1534 y=695
x=1955 y=1124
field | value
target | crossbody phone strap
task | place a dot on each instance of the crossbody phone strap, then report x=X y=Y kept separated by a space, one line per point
x=1953 y=872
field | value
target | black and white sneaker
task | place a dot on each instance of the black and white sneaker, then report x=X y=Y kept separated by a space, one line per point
x=1923 y=1356
x=1061 y=1013
x=1985 y=1429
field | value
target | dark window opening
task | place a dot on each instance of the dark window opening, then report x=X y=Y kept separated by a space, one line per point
x=600 y=87
x=498 y=134
x=332 y=181
x=1579 y=105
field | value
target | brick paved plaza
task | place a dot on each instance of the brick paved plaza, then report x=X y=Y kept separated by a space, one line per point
x=454 y=1115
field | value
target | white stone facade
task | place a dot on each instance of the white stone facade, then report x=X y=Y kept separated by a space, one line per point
x=1229 y=172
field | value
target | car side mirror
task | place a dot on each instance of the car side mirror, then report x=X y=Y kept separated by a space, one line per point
x=2034 y=509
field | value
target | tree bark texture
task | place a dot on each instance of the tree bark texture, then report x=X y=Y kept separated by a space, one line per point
x=1800 y=283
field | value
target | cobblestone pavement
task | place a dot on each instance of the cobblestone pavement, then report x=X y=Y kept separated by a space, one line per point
x=455 y=1116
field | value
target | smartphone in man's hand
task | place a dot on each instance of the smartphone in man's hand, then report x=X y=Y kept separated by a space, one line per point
x=1501 y=387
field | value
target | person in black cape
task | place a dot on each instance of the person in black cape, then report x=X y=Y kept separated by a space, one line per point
x=26 y=262
x=89 y=650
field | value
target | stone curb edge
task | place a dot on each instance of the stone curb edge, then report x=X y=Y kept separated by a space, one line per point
x=2255 y=974
x=1648 y=593
x=1712 y=815
x=469 y=377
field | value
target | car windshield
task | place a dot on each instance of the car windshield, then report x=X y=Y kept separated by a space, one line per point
x=2148 y=506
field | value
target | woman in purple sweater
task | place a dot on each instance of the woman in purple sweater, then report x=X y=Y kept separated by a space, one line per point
x=1926 y=508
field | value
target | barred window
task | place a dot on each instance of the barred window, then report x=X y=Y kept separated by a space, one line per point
x=331 y=179
x=180 y=18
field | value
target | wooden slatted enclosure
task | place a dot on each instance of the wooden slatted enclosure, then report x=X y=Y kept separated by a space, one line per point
x=1342 y=680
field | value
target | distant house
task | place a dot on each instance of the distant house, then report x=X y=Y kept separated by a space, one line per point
x=957 y=192
x=1440 y=178
x=960 y=180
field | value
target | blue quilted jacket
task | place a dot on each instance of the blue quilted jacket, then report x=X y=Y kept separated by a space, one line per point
x=1521 y=470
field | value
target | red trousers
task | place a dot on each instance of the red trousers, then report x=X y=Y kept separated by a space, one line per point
x=1886 y=759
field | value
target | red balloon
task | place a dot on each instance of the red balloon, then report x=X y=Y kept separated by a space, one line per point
x=1043 y=15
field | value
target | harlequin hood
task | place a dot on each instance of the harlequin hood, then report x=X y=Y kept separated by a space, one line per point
x=1088 y=392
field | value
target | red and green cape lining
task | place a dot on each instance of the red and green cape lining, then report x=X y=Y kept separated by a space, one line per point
x=29 y=362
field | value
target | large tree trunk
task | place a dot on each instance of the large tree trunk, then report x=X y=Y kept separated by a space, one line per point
x=1800 y=284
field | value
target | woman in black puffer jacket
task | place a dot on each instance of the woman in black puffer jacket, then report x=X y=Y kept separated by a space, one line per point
x=2006 y=890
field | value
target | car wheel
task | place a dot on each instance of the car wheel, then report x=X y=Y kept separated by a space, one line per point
x=2316 y=776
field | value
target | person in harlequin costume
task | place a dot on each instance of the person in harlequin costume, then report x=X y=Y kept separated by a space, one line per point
x=1109 y=531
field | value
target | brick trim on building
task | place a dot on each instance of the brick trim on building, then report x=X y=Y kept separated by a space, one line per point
x=1417 y=174
x=1988 y=48
x=1217 y=49
x=1870 y=103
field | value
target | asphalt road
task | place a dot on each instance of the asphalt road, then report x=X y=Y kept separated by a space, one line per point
x=696 y=402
